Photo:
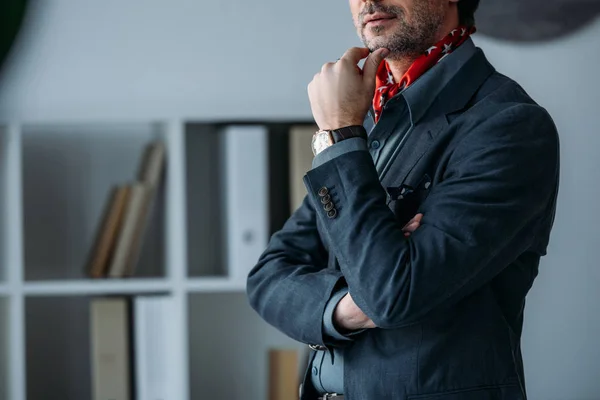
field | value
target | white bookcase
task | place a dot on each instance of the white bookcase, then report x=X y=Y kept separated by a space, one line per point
x=54 y=181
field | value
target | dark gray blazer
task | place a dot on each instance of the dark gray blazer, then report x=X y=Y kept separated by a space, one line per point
x=482 y=164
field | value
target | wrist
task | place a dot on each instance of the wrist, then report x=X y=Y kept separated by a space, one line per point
x=341 y=124
x=347 y=317
x=327 y=138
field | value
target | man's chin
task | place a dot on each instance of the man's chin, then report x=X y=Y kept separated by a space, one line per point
x=376 y=44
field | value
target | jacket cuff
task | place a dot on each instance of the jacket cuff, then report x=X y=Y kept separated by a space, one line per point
x=328 y=326
x=338 y=149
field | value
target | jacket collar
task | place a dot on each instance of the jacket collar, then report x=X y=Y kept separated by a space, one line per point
x=449 y=85
x=442 y=92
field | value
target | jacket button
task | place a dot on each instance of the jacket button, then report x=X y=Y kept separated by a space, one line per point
x=328 y=207
x=323 y=191
x=326 y=199
x=332 y=213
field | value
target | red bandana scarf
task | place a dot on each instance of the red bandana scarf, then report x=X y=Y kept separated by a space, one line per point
x=386 y=87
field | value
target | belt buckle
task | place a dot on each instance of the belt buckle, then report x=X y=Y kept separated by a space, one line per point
x=327 y=396
x=317 y=347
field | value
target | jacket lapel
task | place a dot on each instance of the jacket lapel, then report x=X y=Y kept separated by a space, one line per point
x=454 y=97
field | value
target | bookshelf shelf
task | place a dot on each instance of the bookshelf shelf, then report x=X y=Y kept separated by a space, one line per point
x=68 y=172
x=97 y=287
x=210 y=285
x=225 y=189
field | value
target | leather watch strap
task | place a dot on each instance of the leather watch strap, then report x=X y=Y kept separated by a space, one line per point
x=348 y=132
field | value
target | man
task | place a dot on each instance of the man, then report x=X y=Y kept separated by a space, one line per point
x=430 y=203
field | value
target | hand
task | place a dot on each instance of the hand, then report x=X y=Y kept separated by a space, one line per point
x=348 y=317
x=341 y=94
x=412 y=225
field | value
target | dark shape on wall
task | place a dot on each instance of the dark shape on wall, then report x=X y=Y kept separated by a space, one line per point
x=534 y=20
x=12 y=13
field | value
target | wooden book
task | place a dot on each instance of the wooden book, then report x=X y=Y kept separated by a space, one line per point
x=106 y=237
x=144 y=190
x=128 y=242
x=301 y=158
x=111 y=350
x=283 y=375
x=152 y=165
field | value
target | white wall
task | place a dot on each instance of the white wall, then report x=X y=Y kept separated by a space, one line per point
x=562 y=329
x=83 y=59
x=117 y=58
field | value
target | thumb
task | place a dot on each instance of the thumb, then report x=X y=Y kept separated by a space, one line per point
x=372 y=65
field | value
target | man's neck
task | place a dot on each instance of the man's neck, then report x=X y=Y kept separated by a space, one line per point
x=399 y=66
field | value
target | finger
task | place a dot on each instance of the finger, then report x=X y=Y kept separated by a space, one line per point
x=413 y=219
x=413 y=227
x=355 y=54
x=372 y=65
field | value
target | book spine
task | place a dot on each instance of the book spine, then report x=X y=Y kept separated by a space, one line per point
x=301 y=157
x=110 y=348
x=283 y=374
x=246 y=197
x=153 y=347
x=128 y=238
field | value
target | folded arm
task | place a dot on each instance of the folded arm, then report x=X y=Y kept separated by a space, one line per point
x=477 y=219
x=290 y=285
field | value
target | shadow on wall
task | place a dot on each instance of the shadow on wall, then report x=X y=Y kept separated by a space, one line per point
x=12 y=13
x=534 y=20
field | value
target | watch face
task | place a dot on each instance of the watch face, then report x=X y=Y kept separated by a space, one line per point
x=321 y=141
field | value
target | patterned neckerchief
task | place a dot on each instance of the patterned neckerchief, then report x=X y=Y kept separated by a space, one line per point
x=386 y=87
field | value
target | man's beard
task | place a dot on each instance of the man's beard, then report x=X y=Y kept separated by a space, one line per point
x=406 y=38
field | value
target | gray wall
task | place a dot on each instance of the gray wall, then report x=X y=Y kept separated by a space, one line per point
x=561 y=347
x=4 y=346
x=116 y=59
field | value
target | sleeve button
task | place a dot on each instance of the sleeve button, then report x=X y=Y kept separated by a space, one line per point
x=323 y=191
x=332 y=213
x=326 y=199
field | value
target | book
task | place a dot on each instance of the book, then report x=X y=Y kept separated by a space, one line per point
x=246 y=217
x=138 y=211
x=152 y=165
x=153 y=350
x=110 y=331
x=128 y=243
x=283 y=374
x=112 y=219
x=301 y=157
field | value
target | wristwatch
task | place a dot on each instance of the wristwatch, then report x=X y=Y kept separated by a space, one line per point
x=325 y=138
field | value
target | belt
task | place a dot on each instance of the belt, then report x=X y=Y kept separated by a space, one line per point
x=331 y=396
